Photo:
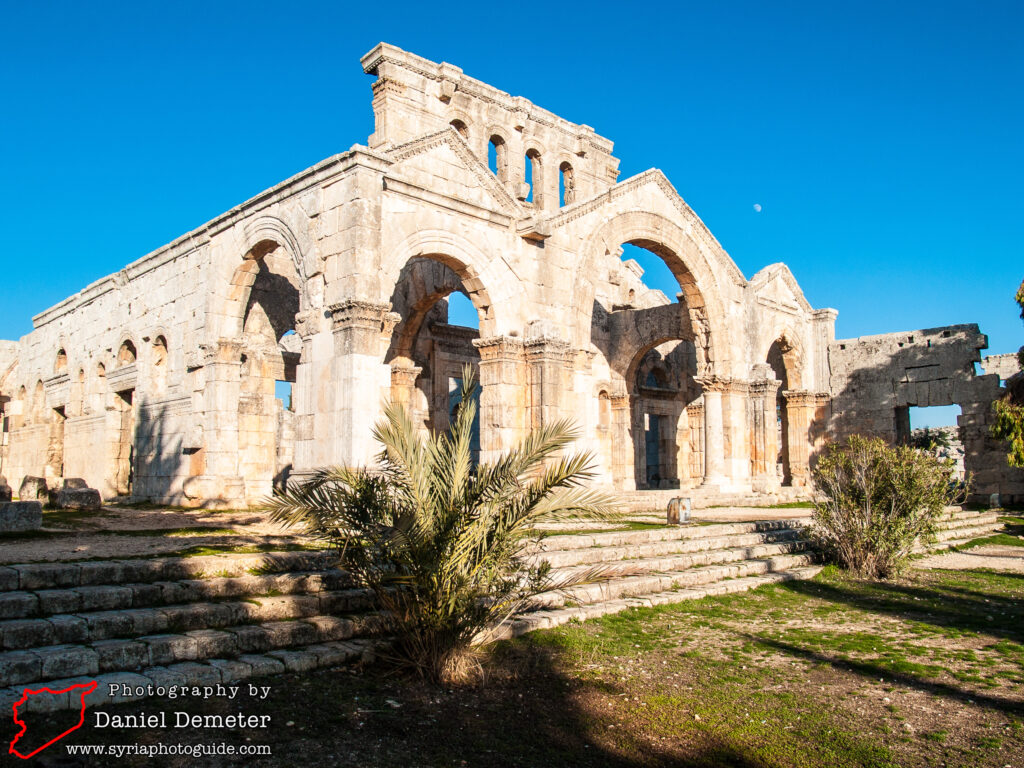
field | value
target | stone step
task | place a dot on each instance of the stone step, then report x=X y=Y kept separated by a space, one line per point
x=85 y=573
x=583 y=540
x=967 y=532
x=681 y=562
x=106 y=656
x=647 y=583
x=949 y=539
x=969 y=520
x=88 y=627
x=569 y=557
x=211 y=672
x=545 y=619
x=47 y=602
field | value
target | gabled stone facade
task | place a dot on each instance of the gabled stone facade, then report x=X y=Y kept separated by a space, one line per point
x=158 y=382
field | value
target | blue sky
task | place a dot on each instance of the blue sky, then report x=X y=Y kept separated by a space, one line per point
x=882 y=141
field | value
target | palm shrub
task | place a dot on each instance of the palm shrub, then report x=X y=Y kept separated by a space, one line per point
x=875 y=502
x=438 y=541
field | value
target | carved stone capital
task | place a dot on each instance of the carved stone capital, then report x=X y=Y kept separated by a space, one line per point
x=800 y=397
x=507 y=348
x=765 y=387
x=404 y=375
x=714 y=383
x=371 y=315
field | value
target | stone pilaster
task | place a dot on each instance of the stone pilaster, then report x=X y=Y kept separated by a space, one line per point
x=800 y=407
x=764 y=448
x=504 y=394
x=623 y=445
x=357 y=384
x=218 y=481
x=549 y=362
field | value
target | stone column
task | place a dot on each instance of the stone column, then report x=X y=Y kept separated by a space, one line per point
x=503 y=394
x=403 y=389
x=714 y=433
x=800 y=405
x=219 y=483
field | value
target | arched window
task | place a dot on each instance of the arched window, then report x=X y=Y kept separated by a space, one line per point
x=604 y=410
x=160 y=352
x=497 y=158
x=566 y=184
x=462 y=128
x=126 y=355
x=38 y=400
x=61 y=363
x=534 y=177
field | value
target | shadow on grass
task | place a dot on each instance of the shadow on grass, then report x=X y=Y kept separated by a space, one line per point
x=942 y=606
x=876 y=672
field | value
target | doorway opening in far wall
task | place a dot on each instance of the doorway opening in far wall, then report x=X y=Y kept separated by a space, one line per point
x=934 y=429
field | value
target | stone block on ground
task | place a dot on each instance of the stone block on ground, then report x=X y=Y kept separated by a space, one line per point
x=6 y=492
x=78 y=498
x=75 y=483
x=33 y=489
x=19 y=516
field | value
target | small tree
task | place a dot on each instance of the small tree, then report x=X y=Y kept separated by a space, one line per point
x=439 y=542
x=1008 y=422
x=876 y=502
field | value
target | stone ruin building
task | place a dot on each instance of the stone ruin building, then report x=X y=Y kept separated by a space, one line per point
x=158 y=382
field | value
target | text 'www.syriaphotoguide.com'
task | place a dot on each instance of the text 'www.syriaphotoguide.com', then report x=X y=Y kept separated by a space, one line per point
x=163 y=750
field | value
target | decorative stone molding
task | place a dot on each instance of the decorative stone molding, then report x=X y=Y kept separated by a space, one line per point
x=123 y=378
x=309 y=323
x=508 y=348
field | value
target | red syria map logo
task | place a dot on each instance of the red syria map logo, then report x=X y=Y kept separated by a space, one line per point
x=83 y=689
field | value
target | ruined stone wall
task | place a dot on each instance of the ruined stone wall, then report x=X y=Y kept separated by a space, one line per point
x=876 y=379
x=1004 y=366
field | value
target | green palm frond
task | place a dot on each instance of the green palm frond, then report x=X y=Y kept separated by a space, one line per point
x=440 y=541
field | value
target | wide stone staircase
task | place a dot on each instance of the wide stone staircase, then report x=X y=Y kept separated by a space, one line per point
x=170 y=621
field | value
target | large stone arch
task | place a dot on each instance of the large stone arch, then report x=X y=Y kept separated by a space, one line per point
x=260 y=237
x=467 y=261
x=682 y=254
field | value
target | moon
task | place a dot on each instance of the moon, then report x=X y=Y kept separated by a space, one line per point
x=757 y=207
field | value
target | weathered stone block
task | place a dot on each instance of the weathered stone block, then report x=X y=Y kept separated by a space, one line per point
x=17 y=516
x=78 y=498
x=33 y=489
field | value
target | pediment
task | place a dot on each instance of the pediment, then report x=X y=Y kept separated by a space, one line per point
x=776 y=284
x=443 y=164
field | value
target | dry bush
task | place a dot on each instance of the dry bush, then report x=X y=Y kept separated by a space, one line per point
x=877 y=501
